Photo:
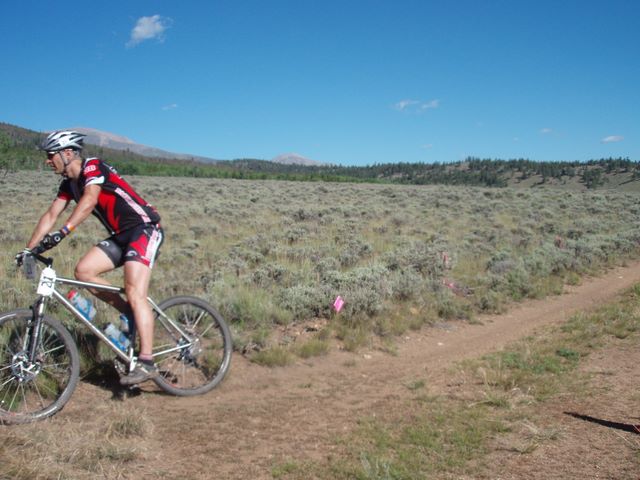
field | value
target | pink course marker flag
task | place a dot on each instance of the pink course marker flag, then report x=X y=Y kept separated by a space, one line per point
x=338 y=304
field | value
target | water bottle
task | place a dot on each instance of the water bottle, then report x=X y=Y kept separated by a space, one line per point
x=119 y=338
x=83 y=304
x=125 y=324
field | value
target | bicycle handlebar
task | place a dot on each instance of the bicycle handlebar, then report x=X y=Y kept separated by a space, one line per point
x=26 y=261
x=36 y=254
x=38 y=250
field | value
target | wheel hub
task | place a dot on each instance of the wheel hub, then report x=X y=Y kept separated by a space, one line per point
x=189 y=351
x=23 y=369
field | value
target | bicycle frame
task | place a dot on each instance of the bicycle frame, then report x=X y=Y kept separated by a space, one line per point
x=47 y=290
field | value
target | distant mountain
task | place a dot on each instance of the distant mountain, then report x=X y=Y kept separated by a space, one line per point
x=117 y=142
x=295 y=159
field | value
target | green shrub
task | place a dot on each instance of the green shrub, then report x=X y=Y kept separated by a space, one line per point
x=313 y=347
x=306 y=301
x=272 y=357
x=249 y=307
x=406 y=284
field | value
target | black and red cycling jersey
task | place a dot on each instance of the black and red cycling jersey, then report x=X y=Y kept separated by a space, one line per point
x=119 y=207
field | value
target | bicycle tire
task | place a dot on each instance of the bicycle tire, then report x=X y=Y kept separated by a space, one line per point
x=31 y=392
x=198 y=368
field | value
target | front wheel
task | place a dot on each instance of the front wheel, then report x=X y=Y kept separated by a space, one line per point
x=192 y=346
x=33 y=389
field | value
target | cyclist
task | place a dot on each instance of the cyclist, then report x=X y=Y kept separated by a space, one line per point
x=133 y=224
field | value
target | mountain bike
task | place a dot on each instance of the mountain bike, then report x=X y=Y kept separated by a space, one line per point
x=40 y=364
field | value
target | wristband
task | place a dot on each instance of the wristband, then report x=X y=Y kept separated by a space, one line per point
x=67 y=229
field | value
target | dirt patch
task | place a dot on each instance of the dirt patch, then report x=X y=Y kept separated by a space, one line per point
x=259 y=416
x=591 y=437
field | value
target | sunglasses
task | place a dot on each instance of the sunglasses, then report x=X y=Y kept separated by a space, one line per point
x=50 y=155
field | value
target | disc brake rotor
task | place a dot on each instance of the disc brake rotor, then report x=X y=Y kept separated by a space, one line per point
x=23 y=369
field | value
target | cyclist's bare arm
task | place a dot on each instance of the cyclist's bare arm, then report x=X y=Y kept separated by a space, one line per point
x=47 y=221
x=85 y=205
x=82 y=210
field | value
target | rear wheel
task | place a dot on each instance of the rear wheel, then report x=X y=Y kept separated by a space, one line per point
x=33 y=390
x=194 y=357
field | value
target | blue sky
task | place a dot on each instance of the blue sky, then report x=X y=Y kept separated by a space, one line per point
x=351 y=82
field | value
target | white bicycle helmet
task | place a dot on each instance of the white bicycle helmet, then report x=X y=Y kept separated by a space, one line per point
x=63 y=139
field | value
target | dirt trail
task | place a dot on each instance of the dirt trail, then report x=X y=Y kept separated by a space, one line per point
x=259 y=416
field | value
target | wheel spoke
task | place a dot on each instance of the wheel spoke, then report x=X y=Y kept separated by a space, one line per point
x=13 y=400
x=53 y=349
x=204 y=333
x=5 y=368
x=9 y=380
x=38 y=394
x=195 y=324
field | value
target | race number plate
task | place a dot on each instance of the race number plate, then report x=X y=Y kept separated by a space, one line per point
x=47 y=281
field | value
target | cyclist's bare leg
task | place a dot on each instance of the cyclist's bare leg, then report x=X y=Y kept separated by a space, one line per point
x=89 y=269
x=136 y=285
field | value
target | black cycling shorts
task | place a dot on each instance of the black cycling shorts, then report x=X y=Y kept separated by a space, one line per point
x=138 y=244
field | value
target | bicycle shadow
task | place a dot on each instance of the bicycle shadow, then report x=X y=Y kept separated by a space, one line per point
x=625 y=427
x=102 y=372
x=105 y=376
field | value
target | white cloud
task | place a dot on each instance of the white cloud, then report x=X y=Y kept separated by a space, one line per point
x=171 y=106
x=430 y=104
x=404 y=104
x=416 y=105
x=612 y=139
x=546 y=131
x=148 y=28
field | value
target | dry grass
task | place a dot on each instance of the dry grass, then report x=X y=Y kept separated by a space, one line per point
x=81 y=448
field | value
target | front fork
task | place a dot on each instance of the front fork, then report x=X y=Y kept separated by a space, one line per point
x=34 y=328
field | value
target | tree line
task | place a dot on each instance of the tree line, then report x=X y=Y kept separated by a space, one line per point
x=19 y=150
